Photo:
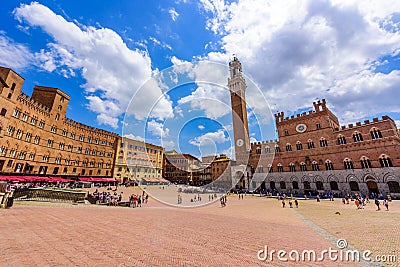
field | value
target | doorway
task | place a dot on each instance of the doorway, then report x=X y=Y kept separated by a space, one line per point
x=372 y=187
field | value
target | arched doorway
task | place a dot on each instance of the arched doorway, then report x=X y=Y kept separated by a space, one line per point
x=372 y=187
x=272 y=185
x=262 y=186
x=334 y=185
x=354 y=186
x=241 y=181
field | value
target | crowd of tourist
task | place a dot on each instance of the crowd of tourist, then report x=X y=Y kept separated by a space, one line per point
x=360 y=201
x=106 y=197
x=111 y=197
x=136 y=200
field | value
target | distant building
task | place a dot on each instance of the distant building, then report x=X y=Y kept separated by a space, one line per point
x=36 y=137
x=185 y=169
x=137 y=161
x=220 y=167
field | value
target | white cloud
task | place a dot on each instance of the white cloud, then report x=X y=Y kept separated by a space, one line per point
x=158 y=42
x=12 y=54
x=397 y=124
x=230 y=152
x=213 y=100
x=228 y=127
x=134 y=137
x=168 y=145
x=299 y=50
x=209 y=138
x=201 y=127
x=157 y=128
x=178 y=111
x=212 y=94
x=173 y=13
x=108 y=120
x=112 y=71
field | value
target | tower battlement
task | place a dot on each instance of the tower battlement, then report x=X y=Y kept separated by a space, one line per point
x=320 y=109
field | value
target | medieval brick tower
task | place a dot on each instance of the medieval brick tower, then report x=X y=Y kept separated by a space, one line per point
x=237 y=87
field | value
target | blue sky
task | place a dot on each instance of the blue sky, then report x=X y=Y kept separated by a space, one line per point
x=103 y=54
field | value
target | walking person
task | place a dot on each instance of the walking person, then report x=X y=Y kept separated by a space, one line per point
x=386 y=204
x=283 y=203
x=296 y=203
x=377 y=204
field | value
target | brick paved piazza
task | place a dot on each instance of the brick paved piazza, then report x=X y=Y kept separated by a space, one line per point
x=51 y=234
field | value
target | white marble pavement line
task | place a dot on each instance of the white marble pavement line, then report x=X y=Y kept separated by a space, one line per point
x=333 y=240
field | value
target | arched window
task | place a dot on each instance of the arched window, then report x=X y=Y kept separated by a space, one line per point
x=323 y=142
x=306 y=185
x=280 y=167
x=292 y=167
x=319 y=185
x=258 y=151
x=385 y=161
x=282 y=185
x=303 y=167
x=299 y=145
x=375 y=133
x=315 y=166
x=310 y=144
x=365 y=163
x=348 y=164
x=329 y=165
x=393 y=187
x=354 y=186
x=357 y=137
x=295 y=185
x=277 y=149
x=57 y=117
x=334 y=185
x=267 y=150
x=341 y=140
x=288 y=147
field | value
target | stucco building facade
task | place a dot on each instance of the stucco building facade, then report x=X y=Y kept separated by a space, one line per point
x=138 y=160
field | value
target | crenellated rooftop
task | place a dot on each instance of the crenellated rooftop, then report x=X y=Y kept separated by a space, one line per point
x=319 y=107
x=32 y=103
x=264 y=142
x=365 y=123
x=85 y=127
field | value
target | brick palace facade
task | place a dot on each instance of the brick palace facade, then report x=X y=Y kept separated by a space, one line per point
x=315 y=153
x=36 y=137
